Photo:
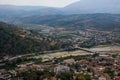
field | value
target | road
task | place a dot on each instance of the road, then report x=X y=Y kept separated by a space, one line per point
x=47 y=52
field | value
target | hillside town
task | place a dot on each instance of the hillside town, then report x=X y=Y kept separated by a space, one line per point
x=104 y=66
x=59 y=39
x=82 y=38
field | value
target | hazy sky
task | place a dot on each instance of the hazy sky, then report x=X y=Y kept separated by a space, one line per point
x=52 y=3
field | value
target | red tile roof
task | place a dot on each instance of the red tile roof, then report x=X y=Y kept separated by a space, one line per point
x=117 y=79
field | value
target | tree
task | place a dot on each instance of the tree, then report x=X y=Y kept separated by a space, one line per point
x=66 y=76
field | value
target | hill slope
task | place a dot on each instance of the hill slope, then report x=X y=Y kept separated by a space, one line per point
x=83 y=21
x=14 y=42
x=11 y=43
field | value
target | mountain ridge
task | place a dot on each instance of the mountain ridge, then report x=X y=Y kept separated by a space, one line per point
x=79 y=7
x=93 y=6
x=80 y=21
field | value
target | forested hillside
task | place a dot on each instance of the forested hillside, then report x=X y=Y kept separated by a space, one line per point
x=13 y=42
x=81 y=21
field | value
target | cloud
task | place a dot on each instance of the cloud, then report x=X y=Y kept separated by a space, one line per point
x=52 y=3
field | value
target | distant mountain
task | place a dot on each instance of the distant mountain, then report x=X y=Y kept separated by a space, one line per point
x=81 y=14
x=13 y=12
x=93 y=6
x=81 y=21
x=80 y=7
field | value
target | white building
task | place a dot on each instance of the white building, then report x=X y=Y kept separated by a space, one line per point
x=61 y=69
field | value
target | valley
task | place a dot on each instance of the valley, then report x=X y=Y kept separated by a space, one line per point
x=80 y=41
